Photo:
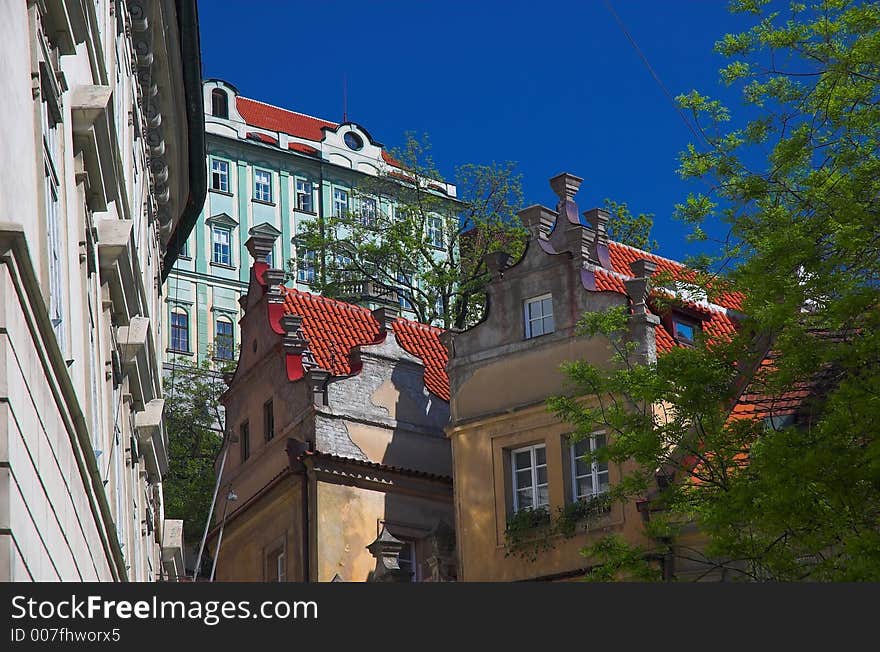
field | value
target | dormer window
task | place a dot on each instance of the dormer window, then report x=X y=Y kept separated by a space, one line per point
x=219 y=103
x=539 y=316
x=684 y=331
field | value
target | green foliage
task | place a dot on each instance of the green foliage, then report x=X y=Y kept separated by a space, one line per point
x=632 y=230
x=194 y=423
x=798 y=188
x=532 y=531
x=440 y=274
x=528 y=533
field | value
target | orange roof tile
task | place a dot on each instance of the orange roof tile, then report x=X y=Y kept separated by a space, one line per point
x=424 y=342
x=333 y=328
x=303 y=148
x=716 y=323
x=273 y=118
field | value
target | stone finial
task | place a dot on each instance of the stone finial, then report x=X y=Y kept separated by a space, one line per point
x=565 y=186
x=262 y=241
x=386 y=549
x=318 y=380
x=538 y=220
x=643 y=268
x=295 y=342
x=643 y=323
x=637 y=287
x=496 y=262
x=386 y=316
x=598 y=218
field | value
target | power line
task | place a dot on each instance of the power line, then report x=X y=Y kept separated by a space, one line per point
x=651 y=70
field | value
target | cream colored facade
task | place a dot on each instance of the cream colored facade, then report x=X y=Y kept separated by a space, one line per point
x=97 y=186
x=501 y=376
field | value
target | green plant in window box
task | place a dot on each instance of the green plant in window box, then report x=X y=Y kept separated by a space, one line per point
x=528 y=533
x=581 y=511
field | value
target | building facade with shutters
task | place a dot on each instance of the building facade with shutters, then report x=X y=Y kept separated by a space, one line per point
x=265 y=165
x=102 y=126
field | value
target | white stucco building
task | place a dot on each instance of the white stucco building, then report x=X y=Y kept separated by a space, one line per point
x=101 y=176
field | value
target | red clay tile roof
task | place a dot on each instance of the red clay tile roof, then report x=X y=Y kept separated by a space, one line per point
x=273 y=118
x=623 y=255
x=303 y=148
x=756 y=402
x=390 y=160
x=333 y=328
x=716 y=323
x=263 y=138
x=424 y=342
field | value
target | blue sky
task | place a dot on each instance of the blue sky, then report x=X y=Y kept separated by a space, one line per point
x=554 y=86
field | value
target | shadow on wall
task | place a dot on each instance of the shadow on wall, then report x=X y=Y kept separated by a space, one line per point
x=418 y=515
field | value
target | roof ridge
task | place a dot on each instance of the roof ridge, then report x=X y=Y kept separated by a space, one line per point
x=711 y=305
x=355 y=307
x=281 y=108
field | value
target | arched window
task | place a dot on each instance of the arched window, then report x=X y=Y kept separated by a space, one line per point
x=224 y=339
x=219 y=103
x=179 y=330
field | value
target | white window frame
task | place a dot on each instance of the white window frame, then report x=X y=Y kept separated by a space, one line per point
x=302 y=188
x=435 y=234
x=341 y=199
x=215 y=230
x=222 y=174
x=595 y=471
x=531 y=322
x=263 y=189
x=369 y=215
x=532 y=450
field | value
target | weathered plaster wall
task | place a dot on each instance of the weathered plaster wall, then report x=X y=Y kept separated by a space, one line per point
x=272 y=520
x=349 y=520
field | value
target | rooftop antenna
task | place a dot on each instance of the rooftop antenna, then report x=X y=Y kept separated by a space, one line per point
x=344 y=98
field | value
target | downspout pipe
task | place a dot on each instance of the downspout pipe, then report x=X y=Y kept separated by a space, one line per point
x=295 y=456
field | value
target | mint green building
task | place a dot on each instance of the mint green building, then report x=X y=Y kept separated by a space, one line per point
x=266 y=165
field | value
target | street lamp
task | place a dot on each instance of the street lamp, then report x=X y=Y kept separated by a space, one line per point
x=231 y=497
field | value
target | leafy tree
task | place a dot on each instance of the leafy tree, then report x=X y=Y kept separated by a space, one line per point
x=194 y=421
x=632 y=230
x=409 y=242
x=798 y=187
